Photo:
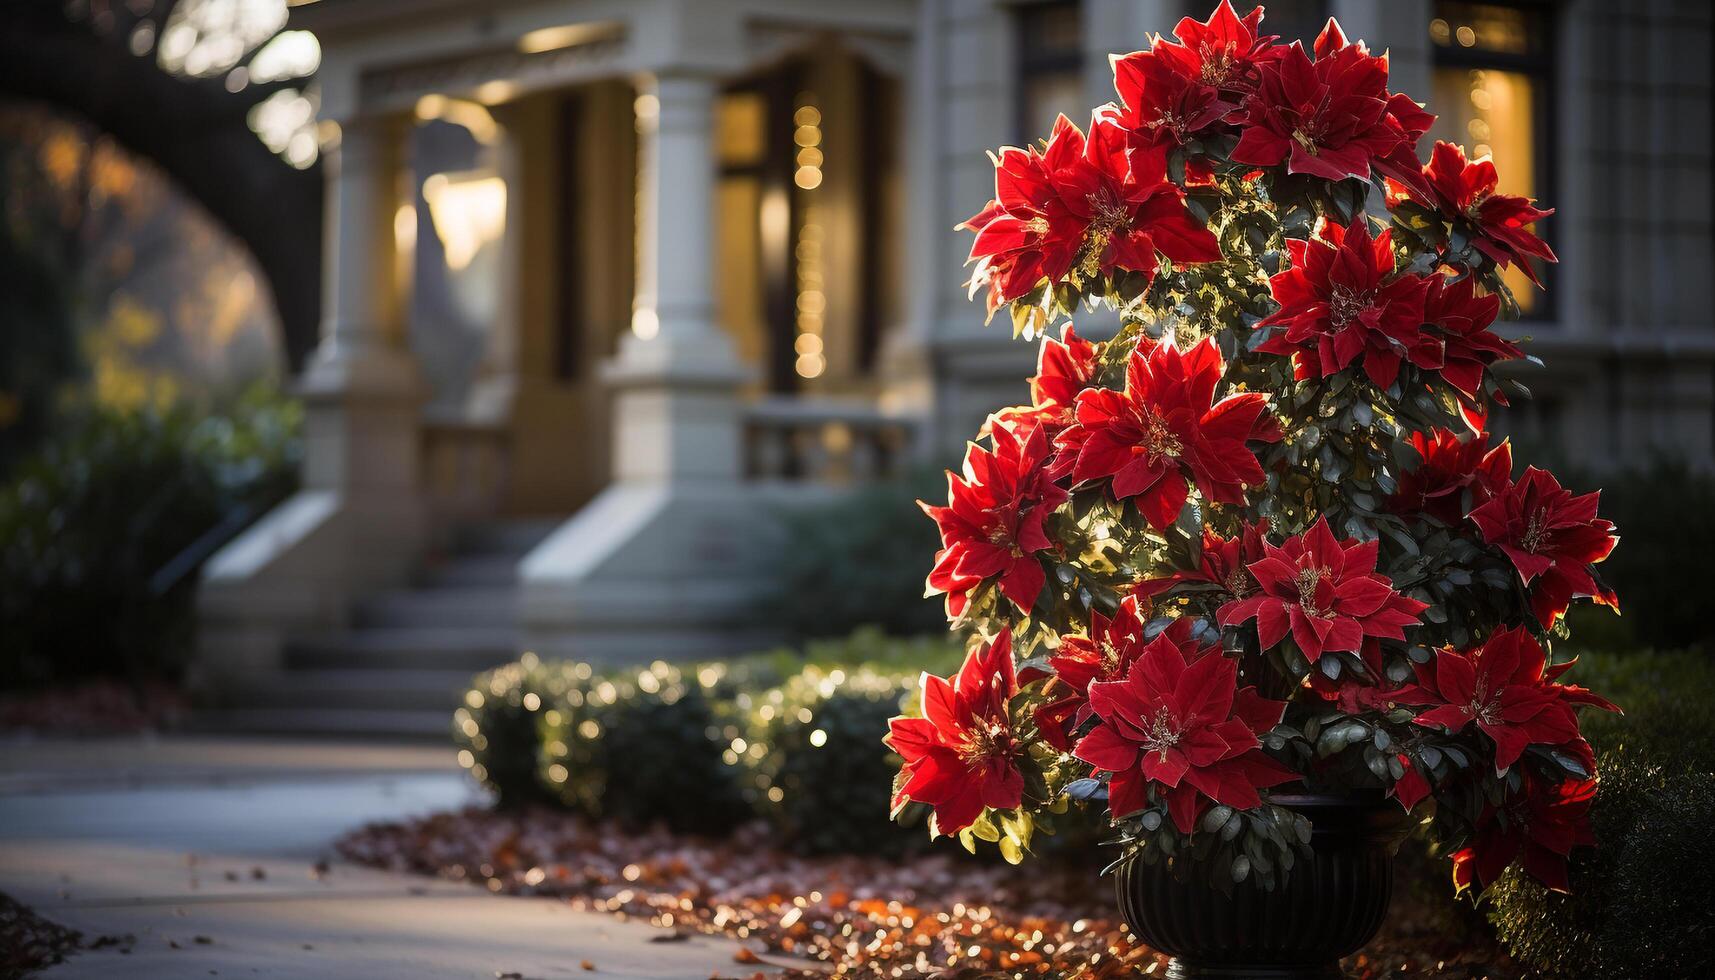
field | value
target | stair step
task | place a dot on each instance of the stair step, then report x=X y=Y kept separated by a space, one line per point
x=512 y=537
x=453 y=648
x=359 y=689
x=328 y=722
x=493 y=607
x=474 y=571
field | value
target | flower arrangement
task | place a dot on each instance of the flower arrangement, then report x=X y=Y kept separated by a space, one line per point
x=1259 y=538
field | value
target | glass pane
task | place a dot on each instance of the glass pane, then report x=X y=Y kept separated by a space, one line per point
x=1487 y=27
x=1048 y=94
x=1492 y=113
x=1051 y=30
x=741 y=128
x=738 y=273
x=1291 y=20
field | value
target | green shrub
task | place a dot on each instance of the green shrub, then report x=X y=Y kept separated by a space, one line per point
x=1639 y=904
x=89 y=523
x=497 y=728
x=818 y=770
x=687 y=746
x=645 y=747
x=859 y=561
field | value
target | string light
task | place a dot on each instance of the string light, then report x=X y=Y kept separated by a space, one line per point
x=811 y=303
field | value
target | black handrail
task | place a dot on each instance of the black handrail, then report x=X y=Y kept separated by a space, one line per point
x=184 y=564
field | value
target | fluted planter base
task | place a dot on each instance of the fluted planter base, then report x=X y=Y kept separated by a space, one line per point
x=1329 y=907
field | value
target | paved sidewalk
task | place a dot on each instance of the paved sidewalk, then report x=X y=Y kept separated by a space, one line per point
x=214 y=854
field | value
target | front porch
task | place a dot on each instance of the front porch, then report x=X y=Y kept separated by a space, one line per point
x=624 y=273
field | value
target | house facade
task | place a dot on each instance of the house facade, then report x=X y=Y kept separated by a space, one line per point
x=646 y=272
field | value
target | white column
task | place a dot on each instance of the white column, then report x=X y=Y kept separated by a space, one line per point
x=361 y=388
x=676 y=375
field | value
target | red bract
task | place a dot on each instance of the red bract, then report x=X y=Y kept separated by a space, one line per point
x=1503 y=686
x=1161 y=106
x=1538 y=826
x=1064 y=367
x=1469 y=345
x=1331 y=118
x=1027 y=233
x=960 y=757
x=1355 y=692
x=1340 y=300
x=1081 y=206
x=1185 y=727
x=992 y=526
x=1166 y=426
x=1552 y=538
x=1221 y=563
x=1328 y=594
x=1453 y=477
x=1106 y=654
x=1223 y=51
x=1499 y=224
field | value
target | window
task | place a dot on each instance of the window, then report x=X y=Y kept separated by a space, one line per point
x=806 y=154
x=1492 y=84
x=1050 y=68
x=1290 y=20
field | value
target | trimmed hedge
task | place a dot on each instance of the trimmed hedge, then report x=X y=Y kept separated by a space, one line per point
x=791 y=736
x=1640 y=902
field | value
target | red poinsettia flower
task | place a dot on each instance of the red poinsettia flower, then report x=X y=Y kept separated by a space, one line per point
x=1223 y=52
x=992 y=525
x=1332 y=117
x=1064 y=367
x=1340 y=300
x=1186 y=728
x=1538 y=827
x=1221 y=563
x=1106 y=654
x=1552 y=538
x=1161 y=104
x=1464 y=190
x=1082 y=203
x=1327 y=593
x=1503 y=686
x=1464 y=319
x=1166 y=426
x=1453 y=477
x=961 y=756
x=1027 y=234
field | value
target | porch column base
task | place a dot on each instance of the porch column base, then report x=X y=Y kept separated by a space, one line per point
x=357 y=525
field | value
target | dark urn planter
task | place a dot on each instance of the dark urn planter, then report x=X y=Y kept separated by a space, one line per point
x=1329 y=907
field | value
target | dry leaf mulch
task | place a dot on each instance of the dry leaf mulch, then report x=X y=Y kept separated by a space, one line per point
x=29 y=942
x=935 y=916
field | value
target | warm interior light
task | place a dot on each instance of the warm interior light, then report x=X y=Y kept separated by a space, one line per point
x=565 y=36
x=469 y=212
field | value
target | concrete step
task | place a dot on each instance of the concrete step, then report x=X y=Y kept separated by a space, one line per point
x=453 y=648
x=380 y=690
x=327 y=722
x=471 y=571
x=507 y=537
x=471 y=606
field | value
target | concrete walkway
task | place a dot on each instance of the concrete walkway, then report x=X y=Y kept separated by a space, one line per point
x=215 y=855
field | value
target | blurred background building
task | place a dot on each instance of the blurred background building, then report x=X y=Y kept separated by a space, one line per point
x=605 y=285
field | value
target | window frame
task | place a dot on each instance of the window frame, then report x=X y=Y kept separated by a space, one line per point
x=1543 y=68
x=1032 y=62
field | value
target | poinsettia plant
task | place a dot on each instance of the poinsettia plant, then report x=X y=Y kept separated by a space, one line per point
x=1258 y=541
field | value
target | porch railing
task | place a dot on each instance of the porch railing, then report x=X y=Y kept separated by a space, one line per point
x=826 y=441
x=466 y=467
